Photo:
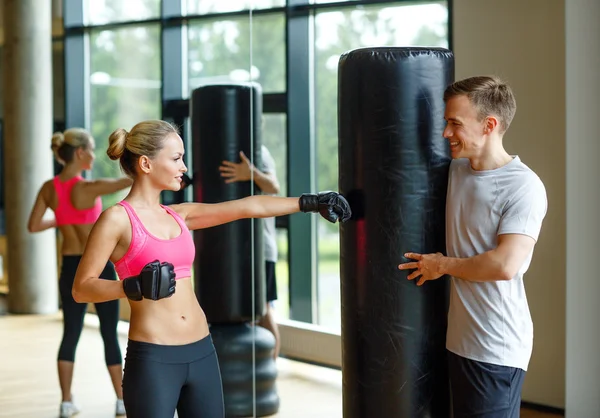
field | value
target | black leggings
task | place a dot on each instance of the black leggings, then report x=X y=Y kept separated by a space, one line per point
x=73 y=314
x=161 y=378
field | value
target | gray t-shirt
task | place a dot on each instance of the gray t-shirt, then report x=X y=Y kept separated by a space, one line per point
x=270 y=233
x=490 y=321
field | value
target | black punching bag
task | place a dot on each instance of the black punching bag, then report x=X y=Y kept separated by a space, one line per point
x=227 y=119
x=393 y=167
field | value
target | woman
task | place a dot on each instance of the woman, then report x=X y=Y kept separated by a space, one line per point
x=171 y=361
x=76 y=204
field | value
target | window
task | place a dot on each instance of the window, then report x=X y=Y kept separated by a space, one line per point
x=219 y=51
x=124 y=88
x=197 y=7
x=222 y=44
x=98 y=12
x=337 y=32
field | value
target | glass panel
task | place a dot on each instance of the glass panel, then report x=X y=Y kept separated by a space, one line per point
x=124 y=88
x=98 y=12
x=335 y=33
x=3 y=239
x=219 y=50
x=198 y=7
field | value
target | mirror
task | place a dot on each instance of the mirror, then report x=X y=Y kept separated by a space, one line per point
x=127 y=61
x=224 y=108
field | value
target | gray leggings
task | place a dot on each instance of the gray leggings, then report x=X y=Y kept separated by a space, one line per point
x=159 y=379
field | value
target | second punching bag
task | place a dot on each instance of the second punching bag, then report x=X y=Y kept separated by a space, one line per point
x=393 y=167
x=226 y=119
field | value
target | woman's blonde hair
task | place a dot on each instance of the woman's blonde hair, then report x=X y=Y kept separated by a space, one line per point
x=64 y=144
x=145 y=138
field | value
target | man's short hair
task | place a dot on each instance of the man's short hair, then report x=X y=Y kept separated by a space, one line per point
x=490 y=96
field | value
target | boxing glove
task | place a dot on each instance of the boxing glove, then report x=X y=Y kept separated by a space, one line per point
x=155 y=281
x=331 y=205
x=185 y=181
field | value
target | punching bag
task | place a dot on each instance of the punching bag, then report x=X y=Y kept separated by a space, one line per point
x=393 y=167
x=226 y=119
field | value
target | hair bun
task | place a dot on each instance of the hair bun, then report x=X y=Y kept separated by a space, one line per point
x=57 y=140
x=116 y=144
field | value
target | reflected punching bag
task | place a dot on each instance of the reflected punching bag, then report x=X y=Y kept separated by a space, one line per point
x=226 y=120
x=229 y=271
x=393 y=167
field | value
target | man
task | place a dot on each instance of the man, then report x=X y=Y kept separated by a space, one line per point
x=494 y=212
x=266 y=180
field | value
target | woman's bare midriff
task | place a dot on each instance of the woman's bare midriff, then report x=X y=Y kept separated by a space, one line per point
x=176 y=320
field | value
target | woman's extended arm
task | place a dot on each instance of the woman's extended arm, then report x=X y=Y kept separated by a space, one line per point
x=332 y=206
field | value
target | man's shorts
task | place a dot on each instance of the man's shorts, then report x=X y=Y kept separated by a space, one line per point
x=484 y=390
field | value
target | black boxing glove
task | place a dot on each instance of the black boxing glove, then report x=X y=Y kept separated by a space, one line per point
x=331 y=205
x=155 y=281
x=185 y=181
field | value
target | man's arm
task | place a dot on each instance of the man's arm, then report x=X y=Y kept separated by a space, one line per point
x=518 y=230
x=501 y=263
x=267 y=182
x=245 y=170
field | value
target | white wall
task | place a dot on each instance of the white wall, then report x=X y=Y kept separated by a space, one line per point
x=523 y=41
x=583 y=208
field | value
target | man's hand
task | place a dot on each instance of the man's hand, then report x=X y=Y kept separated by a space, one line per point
x=427 y=266
x=237 y=171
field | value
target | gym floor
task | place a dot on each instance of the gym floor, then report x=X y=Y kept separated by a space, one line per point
x=29 y=387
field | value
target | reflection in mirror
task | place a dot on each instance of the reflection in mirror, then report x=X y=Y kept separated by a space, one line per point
x=268 y=70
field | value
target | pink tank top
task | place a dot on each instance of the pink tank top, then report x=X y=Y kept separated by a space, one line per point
x=66 y=213
x=145 y=248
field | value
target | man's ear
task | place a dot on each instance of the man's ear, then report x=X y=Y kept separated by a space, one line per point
x=145 y=164
x=490 y=123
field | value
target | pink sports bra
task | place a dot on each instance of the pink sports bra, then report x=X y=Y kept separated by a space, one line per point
x=66 y=213
x=145 y=248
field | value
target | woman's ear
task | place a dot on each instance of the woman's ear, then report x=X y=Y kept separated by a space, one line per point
x=145 y=164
